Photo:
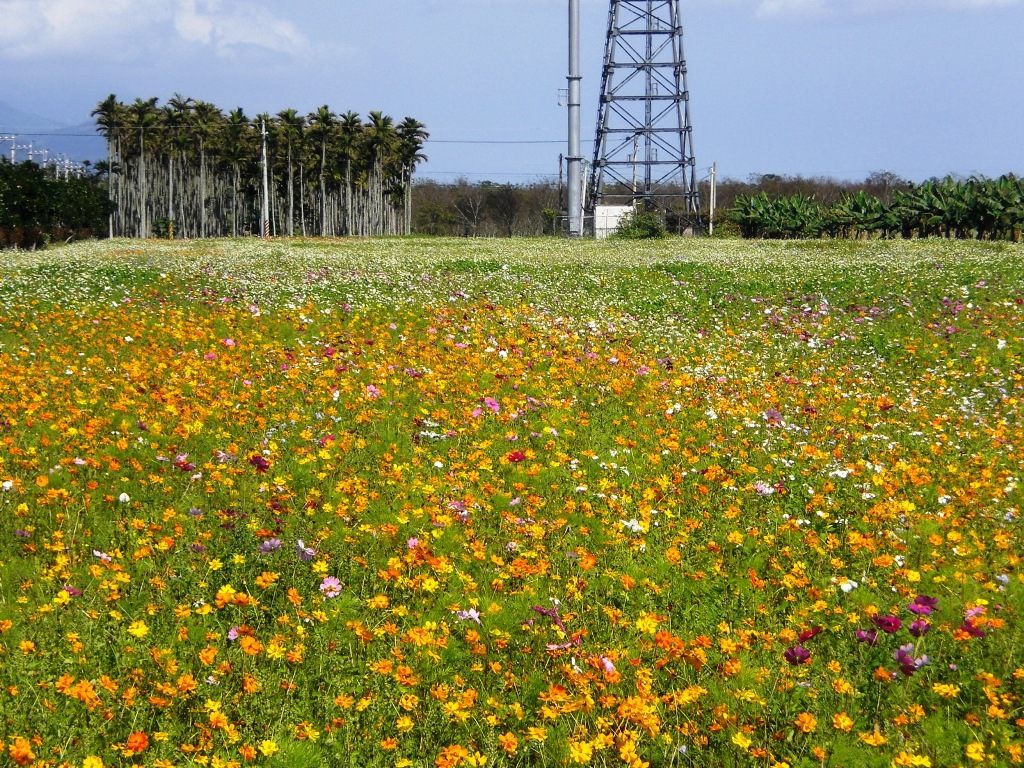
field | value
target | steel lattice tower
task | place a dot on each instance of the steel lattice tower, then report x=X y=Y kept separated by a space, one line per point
x=644 y=148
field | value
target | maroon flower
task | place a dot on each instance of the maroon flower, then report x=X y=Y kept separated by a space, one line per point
x=969 y=627
x=812 y=632
x=797 y=655
x=260 y=463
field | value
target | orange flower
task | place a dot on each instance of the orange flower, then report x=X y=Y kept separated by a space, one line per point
x=508 y=742
x=137 y=742
x=806 y=722
x=21 y=751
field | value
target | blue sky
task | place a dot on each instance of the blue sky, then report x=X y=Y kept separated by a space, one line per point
x=814 y=87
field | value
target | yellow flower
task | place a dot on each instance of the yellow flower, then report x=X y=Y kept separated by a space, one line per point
x=842 y=722
x=976 y=751
x=741 y=740
x=946 y=690
x=92 y=762
x=647 y=623
x=875 y=739
x=909 y=760
x=404 y=724
x=580 y=751
x=268 y=747
x=138 y=629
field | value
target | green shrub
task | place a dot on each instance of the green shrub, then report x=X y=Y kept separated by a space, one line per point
x=641 y=225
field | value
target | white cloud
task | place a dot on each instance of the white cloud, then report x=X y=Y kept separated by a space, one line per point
x=228 y=26
x=119 y=29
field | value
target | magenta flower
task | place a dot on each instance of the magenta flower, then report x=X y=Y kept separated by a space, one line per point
x=919 y=628
x=330 y=586
x=908 y=663
x=868 y=636
x=888 y=624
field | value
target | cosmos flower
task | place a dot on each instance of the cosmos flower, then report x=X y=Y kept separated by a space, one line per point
x=330 y=586
x=888 y=624
x=796 y=655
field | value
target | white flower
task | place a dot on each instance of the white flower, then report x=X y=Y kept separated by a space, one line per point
x=848 y=586
x=124 y=498
x=7 y=485
x=633 y=526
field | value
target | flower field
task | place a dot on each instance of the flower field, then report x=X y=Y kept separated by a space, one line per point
x=420 y=502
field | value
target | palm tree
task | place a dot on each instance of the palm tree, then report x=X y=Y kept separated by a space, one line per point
x=207 y=121
x=412 y=134
x=175 y=117
x=238 y=149
x=381 y=141
x=110 y=117
x=321 y=127
x=290 y=125
x=350 y=129
x=143 y=115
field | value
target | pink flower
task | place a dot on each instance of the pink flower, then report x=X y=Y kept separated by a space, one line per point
x=330 y=586
x=493 y=404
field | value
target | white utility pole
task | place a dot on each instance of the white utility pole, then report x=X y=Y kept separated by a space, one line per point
x=265 y=200
x=574 y=158
x=714 y=199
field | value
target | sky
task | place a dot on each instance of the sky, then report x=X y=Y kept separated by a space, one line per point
x=839 y=88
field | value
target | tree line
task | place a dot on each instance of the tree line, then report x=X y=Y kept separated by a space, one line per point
x=38 y=206
x=981 y=208
x=189 y=169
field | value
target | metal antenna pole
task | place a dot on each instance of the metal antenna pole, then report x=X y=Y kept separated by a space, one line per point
x=644 y=110
x=574 y=158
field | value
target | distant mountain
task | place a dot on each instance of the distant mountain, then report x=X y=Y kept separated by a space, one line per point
x=78 y=142
x=14 y=120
